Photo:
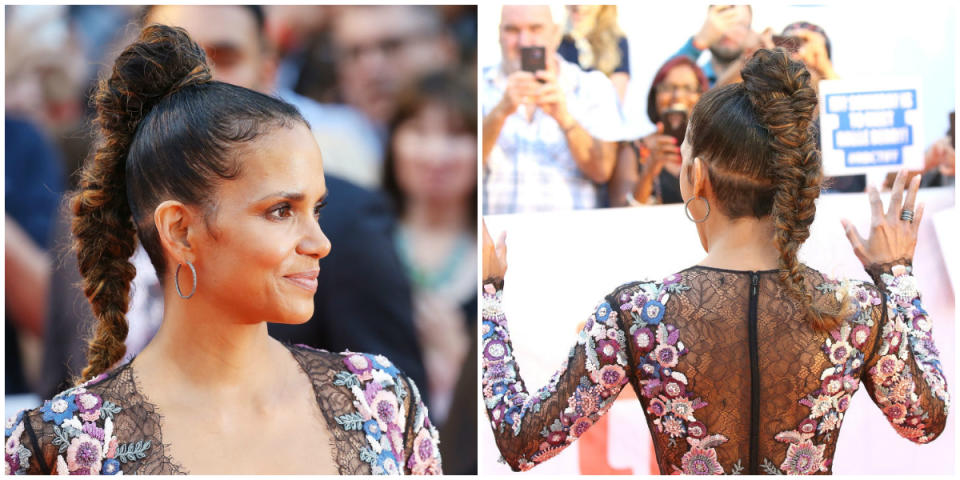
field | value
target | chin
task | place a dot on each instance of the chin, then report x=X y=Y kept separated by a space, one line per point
x=295 y=316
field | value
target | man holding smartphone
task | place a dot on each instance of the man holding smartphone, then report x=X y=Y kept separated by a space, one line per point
x=549 y=128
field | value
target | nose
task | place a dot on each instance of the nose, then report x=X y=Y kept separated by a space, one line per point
x=314 y=242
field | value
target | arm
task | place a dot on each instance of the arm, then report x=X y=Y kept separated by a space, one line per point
x=904 y=376
x=492 y=124
x=533 y=426
x=23 y=451
x=421 y=443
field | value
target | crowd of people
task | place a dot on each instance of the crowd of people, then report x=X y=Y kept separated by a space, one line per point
x=552 y=138
x=390 y=95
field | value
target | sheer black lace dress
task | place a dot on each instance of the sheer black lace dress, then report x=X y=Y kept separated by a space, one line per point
x=731 y=376
x=106 y=425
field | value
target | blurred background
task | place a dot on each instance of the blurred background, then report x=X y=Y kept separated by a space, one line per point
x=390 y=93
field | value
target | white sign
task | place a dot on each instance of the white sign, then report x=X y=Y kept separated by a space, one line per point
x=870 y=125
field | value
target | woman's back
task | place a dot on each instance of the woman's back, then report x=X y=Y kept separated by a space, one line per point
x=731 y=375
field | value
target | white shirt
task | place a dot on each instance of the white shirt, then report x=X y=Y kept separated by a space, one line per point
x=531 y=168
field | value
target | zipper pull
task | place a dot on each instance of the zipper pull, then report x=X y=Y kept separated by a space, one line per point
x=754 y=280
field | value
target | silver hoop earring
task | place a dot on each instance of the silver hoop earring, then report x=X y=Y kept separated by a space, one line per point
x=176 y=280
x=686 y=209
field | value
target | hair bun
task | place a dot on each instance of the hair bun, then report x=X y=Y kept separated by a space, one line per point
x=161 y=61
x=776 y=84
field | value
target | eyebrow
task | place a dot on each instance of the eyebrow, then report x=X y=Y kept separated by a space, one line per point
x=292 y=196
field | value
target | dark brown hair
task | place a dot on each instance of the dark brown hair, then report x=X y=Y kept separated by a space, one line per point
x=457 y=96
x=758 y=141
x=164 y=131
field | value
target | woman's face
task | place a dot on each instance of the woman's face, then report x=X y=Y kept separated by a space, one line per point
x=259 y=255
x=433 y=161
x=583 y=17
x=680 y=86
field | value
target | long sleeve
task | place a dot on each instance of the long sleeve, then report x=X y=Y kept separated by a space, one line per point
x=689 y=50
x=533 y=426
x=904 y=375
x=422 y=442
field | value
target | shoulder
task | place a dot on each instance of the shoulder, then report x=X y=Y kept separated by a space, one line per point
x=389 y=410
x=73 y=432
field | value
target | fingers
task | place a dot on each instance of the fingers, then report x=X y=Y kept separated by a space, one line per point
x=896 y=196
x=917 y=216
x=502 y=246
x=659 y=128
x=487 y=240
x=912 y=194
x=856 y=241
x=876 y=206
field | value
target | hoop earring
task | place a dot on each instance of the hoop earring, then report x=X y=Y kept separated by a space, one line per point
x=176 y=280
x=686 y=209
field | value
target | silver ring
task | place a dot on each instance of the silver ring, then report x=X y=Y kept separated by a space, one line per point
x=906 y=215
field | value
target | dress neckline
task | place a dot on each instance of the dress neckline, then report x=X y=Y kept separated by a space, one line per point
x=727 y=270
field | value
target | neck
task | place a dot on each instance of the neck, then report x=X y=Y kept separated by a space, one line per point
x=741 y=244
x=198 y=345
x=431 y=215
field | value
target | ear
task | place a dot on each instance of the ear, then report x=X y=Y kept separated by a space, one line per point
x=177 y=224
x=699 y=177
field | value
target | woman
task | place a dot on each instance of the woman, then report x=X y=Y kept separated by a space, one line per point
x=746 y=362
x=649 y=172
x=594 y=41
x=223 y=186
x=431 y=174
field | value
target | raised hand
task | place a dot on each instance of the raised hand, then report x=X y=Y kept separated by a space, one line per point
x=494 y=255
x=892 y=237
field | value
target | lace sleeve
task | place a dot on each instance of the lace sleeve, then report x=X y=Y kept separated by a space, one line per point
x=421 y=442
x=531 y=427
x=23 y=453
x=905 y=378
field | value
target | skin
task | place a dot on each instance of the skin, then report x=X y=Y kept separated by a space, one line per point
x=381 y=49
x=229 y=35
x=524 y=26
x=747 y=243
x=212 y=362
x=724 y=32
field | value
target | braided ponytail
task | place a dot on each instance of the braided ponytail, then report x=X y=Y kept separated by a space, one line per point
x=161 y=61
x=760 y=144
x=784 y=100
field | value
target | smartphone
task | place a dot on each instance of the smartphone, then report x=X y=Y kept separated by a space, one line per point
x=675 y=123
x=533 y=59
x=953 y=129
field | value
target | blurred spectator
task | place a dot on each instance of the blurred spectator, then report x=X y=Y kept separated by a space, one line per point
x=431 y=173
x=594 y=41
x=649 y=172
x=380 y=50
x=724 y=32
x=240 y=52
x=363 y=283
x=813 y=49
x=462 y=23
x=548 y=137
x=33 y=182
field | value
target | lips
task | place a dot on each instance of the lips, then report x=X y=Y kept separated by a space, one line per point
x=305 y=280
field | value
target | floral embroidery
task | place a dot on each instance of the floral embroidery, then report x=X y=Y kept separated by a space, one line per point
x=83 y=432
x=603 y=345
x=906 y=334
x=671 y=403
x=378 y=396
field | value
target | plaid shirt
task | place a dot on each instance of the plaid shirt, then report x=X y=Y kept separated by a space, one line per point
x=531 y=168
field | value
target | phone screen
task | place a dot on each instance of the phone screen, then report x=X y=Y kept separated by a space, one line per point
x=533 y=59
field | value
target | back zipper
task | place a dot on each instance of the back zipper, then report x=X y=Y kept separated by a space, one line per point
x=754 y=377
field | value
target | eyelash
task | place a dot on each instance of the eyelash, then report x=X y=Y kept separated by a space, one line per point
x=274 y=213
